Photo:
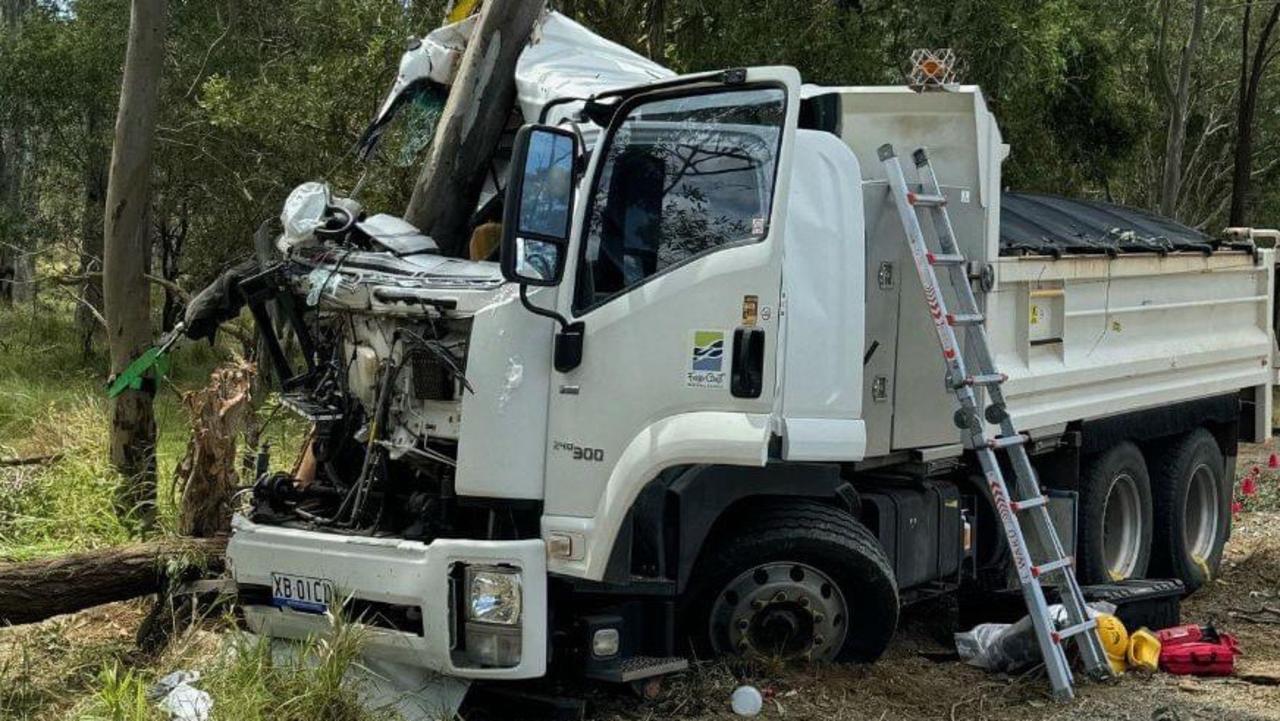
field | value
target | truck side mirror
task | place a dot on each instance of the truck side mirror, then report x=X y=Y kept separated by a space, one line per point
x=539 y=205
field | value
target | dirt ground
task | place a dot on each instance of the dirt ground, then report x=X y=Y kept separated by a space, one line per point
x=910 y=684
x=918 y=679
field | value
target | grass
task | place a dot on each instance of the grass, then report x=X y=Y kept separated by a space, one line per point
x=86 y=667
x=88 y=670
x=52 y=402
x=246 y=680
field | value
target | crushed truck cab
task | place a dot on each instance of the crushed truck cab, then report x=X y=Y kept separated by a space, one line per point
x=696 y=402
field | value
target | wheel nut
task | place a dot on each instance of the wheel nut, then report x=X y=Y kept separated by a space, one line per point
x=743 y=624
x=819 y=618
x=779 y=597
x=757 y=604
x=804 y=602
x=819 y=640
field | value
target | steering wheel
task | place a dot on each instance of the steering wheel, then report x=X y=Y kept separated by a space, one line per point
x=338 y=220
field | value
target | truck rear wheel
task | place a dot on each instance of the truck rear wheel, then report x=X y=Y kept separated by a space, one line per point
x=797 y=580
x=1114 y=540
x=1192 y=509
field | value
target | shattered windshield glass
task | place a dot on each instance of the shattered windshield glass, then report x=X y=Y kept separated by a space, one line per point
x=681 y=176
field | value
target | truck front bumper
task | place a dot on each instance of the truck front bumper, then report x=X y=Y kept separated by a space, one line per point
x=409 y=576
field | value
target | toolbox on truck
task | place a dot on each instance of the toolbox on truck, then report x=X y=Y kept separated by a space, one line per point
x=920 y=528
x=1155 y=602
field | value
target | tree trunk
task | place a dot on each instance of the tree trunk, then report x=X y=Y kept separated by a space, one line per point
x=220 y=413
x=126 y=292
x=35 y=590
x=656 y=31
x=471 y=125
x=1178 y=111
x=1251 y=72
x=16 y=281
x=10 y=210
x=91 y=228
x=172 y=237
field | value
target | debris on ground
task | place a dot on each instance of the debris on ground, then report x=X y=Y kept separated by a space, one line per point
x=746 y=701
x=178 y=697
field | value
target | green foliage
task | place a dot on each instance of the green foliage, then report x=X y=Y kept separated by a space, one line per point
x=248 y=679
x=121 y=696
x=52 y=401
x=1075 y=84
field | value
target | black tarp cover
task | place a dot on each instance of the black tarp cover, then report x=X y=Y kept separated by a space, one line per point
x=1034 y=224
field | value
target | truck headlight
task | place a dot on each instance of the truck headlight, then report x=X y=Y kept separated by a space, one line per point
x=493 y=595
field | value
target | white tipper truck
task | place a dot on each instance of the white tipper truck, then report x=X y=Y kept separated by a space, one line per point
x=698 y=405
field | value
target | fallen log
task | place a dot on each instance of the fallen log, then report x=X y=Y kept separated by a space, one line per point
x=32 y=591
x=30 y=461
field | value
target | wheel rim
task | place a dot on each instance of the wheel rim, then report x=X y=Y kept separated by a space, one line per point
x=786 y=610
x=1122 y=527
x=1200 y=513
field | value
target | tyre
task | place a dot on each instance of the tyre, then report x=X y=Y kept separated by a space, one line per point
x=1113 y=540
x=796 y=580
x=1192 y=510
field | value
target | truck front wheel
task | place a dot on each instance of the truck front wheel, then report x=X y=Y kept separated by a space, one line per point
x=796 y=580
x=1114 y=541
x=1192 y=509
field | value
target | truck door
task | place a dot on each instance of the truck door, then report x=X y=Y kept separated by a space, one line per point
x=675 y=272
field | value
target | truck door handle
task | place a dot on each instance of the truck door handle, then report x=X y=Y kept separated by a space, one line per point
x=747 y=378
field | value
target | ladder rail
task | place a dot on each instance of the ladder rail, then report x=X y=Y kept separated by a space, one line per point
x=963 y=381
x=1027 y=480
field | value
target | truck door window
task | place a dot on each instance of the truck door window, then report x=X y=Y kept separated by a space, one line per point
x=681 y=176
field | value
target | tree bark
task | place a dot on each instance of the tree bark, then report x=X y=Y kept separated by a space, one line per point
x=1179 y=108
x=126 y=293
x=1251 y=72
x=91 y=228
x=35 y=590
x=16 y=142
x=656 y=31
x=471 y=124
x=220 y=413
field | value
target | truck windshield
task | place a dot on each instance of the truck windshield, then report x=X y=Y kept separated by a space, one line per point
x=681 y=176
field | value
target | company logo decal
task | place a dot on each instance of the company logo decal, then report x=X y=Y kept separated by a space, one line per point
x=708 y=350
x=706 y=362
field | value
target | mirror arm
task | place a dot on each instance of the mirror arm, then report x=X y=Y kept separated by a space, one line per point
x=529 y=306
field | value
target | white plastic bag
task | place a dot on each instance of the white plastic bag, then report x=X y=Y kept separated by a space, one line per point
x=180 y=699
x=1011 y=647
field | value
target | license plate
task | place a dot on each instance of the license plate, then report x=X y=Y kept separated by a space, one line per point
x=301 y=593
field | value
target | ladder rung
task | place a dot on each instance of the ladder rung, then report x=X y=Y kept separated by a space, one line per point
x=923 y=200
x=1051 y=566
x=1069 y=631
x=908 y=198
x=1007 y=441
x=945 y=258
x=988 y=379
x=1028 y=503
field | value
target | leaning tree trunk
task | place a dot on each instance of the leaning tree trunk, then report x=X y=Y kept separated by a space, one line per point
x=480 y=102
x=126 y=292
x=35 y=590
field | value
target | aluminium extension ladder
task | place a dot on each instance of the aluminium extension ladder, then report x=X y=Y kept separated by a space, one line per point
x=961 y=381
